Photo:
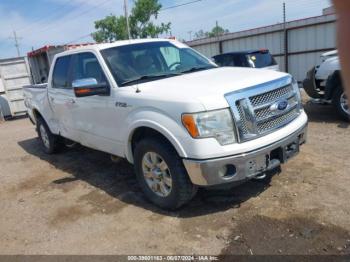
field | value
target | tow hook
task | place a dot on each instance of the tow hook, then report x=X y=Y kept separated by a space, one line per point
x=260 y=176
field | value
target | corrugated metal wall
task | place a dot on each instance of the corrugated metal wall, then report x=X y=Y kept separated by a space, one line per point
x=307 y=40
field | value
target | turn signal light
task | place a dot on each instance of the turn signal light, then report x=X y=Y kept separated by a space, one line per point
x=189 y=123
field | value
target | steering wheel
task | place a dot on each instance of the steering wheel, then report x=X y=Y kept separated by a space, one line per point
x=173 y=65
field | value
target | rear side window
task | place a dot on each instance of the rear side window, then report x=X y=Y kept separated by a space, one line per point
x=260 y=60
x=60 y=77
x=86 y=65
x=237 y=60
x=225 y=60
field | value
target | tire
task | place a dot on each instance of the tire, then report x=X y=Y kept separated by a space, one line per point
x=338 y=102
x=50 y=142
x=181 y=190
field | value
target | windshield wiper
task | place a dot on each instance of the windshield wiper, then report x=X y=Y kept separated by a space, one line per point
x=148 y=77
x=196 y=69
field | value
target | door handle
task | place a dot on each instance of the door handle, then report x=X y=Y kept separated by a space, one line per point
x=52 y=98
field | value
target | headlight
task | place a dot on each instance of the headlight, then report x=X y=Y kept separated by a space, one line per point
x=217 y=124
x=296 y=89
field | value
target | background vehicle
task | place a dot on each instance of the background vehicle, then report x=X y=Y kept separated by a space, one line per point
x=252 y=58
x=182 y=122
x=323 y=83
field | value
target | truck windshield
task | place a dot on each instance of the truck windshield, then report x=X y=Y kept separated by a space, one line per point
x=139 y=63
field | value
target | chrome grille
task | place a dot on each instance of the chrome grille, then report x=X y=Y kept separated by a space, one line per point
x=256 y=110
x=277 y=121
x=241 y=115
x=271 y=96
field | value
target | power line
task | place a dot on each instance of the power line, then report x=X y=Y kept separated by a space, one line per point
x=179 y=5
x=48 y=16
x=74 y=18
x=79 y=38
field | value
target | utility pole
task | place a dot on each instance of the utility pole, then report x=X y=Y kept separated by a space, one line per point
x=285 y=36
x=127 y=18
x=16 y=38
x=217 y=28
x=190 y=33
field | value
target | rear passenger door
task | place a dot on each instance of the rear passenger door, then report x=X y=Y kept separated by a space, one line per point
x=62 y=98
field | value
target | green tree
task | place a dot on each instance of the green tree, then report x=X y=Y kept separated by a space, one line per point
x=216 y=31
x=113 y=28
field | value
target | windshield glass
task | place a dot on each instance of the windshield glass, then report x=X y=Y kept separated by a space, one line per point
x=261 y=60
x=151 y=61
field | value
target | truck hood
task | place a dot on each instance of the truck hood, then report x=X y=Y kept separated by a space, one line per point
x=209 y=86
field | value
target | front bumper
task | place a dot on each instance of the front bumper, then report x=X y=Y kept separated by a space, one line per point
x=244 y=166
x=309 y=84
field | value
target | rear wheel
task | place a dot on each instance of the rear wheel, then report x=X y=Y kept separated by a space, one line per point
x=161 y=174
x=341 y=103
x=49 y=141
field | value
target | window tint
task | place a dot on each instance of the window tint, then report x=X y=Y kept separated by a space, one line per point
x=86 y=65
x=260 y=60
x=60 y=73
x=231 y=60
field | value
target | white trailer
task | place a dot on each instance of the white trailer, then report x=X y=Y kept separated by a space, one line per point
x=14 y=74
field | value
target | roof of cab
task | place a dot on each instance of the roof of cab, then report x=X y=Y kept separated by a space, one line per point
x=114 y=44
x=245 y=52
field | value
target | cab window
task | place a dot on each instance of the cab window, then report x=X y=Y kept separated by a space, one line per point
x=60 y=76
x=86 y=65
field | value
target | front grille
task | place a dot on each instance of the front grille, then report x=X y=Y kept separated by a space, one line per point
x=256 y=111
x=271 y=96
x=277 y=121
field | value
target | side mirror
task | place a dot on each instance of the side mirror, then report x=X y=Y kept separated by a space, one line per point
x=89 y=87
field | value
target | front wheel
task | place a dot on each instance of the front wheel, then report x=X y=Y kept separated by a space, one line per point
x=341 y=103
x=161 y=174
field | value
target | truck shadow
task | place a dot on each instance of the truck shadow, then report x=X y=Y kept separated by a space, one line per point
x=118 y=181
x=323 y=113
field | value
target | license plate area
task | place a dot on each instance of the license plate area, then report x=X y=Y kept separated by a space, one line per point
x=290 y=150
x=258 y=164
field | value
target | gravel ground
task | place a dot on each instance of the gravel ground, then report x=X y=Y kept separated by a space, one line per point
x=79 y=202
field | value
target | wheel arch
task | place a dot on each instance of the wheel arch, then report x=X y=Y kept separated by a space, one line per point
x=155 y=130
x=333 y=82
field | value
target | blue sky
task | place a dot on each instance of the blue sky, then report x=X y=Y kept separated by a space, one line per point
x=44 y=22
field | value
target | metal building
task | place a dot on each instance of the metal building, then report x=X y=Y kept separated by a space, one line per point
x=296 y=51
x=14 y=74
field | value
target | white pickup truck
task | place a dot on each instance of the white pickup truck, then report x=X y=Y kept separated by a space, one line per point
x=183 y=122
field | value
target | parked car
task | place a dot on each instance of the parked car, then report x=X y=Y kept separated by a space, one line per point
x=183 y=122
x=324 y=84
x=252 y=58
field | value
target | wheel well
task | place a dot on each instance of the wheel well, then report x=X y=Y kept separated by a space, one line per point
x=333 y=82
x=143 y=132
x=37 y=114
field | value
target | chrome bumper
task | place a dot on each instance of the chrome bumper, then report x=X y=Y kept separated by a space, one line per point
x=244 y=166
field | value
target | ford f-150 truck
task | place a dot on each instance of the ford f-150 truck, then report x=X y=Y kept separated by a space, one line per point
x=183 y=122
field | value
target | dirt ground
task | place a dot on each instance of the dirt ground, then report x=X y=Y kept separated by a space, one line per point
x=79 y=202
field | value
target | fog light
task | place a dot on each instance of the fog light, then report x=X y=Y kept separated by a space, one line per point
x=227 y=171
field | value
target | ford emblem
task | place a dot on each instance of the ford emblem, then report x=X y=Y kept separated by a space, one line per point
x=282 y=105
x=279 y=106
